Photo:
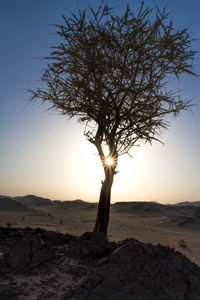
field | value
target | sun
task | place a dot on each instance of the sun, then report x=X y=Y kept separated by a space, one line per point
x=109 y=161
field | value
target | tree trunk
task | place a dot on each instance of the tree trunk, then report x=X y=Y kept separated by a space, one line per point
x=103 y=212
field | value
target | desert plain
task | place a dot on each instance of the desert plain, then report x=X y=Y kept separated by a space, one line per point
x=177 y=226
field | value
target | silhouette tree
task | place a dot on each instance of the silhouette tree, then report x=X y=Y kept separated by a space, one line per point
x=110 y=71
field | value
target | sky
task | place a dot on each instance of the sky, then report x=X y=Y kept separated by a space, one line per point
x=45 y=154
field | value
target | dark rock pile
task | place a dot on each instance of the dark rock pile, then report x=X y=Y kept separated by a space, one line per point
x=142 y=271
x=13 y=235
x=90 y=267
x=23 y=249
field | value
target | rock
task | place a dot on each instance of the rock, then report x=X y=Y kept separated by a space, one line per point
x=54 y=238
x=20 y=256
x=124 y=270
x=91 y=246
x=77 y=270
x=142 y=271
x=68 y=293
x=4 y=268
x=41 y=252
x=30 y=253
x=10 y=293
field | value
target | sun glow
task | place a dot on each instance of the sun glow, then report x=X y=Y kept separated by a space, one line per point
x=109 y=161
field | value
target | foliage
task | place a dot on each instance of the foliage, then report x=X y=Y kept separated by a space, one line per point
x=111 y=72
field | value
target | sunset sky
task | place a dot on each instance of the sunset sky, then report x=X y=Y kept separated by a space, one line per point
x=45 y=154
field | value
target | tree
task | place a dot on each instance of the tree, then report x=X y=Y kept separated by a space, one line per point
x=110 y=71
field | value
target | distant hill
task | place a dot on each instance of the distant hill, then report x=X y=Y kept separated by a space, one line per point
x=32 y=200
x=8 y=204
x=140 y=208
x=188 y=203
x=80 y=204
x=35 y=201
x=185 y=213
x=137 y=208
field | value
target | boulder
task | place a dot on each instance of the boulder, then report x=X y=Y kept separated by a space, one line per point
x=30 y=253
x=142 y=271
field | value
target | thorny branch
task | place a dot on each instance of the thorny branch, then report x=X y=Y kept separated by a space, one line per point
x=110 y=71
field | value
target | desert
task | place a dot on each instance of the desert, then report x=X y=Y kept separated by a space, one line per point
x=92 y=91
x=67 y=264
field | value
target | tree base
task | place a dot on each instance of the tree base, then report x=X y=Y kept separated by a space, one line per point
x=92 y=245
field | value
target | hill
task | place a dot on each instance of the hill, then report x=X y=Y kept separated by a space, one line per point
x=74 y=204
x=32 y=200
x=188 y=203
x=8 y=204
x=139 y=208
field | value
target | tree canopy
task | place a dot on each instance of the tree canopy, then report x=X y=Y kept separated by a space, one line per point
x=111 y=71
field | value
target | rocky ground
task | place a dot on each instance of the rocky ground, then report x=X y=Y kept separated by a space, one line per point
x=38 y=264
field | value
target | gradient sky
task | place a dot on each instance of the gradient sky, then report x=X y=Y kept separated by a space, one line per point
x=45 y=154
